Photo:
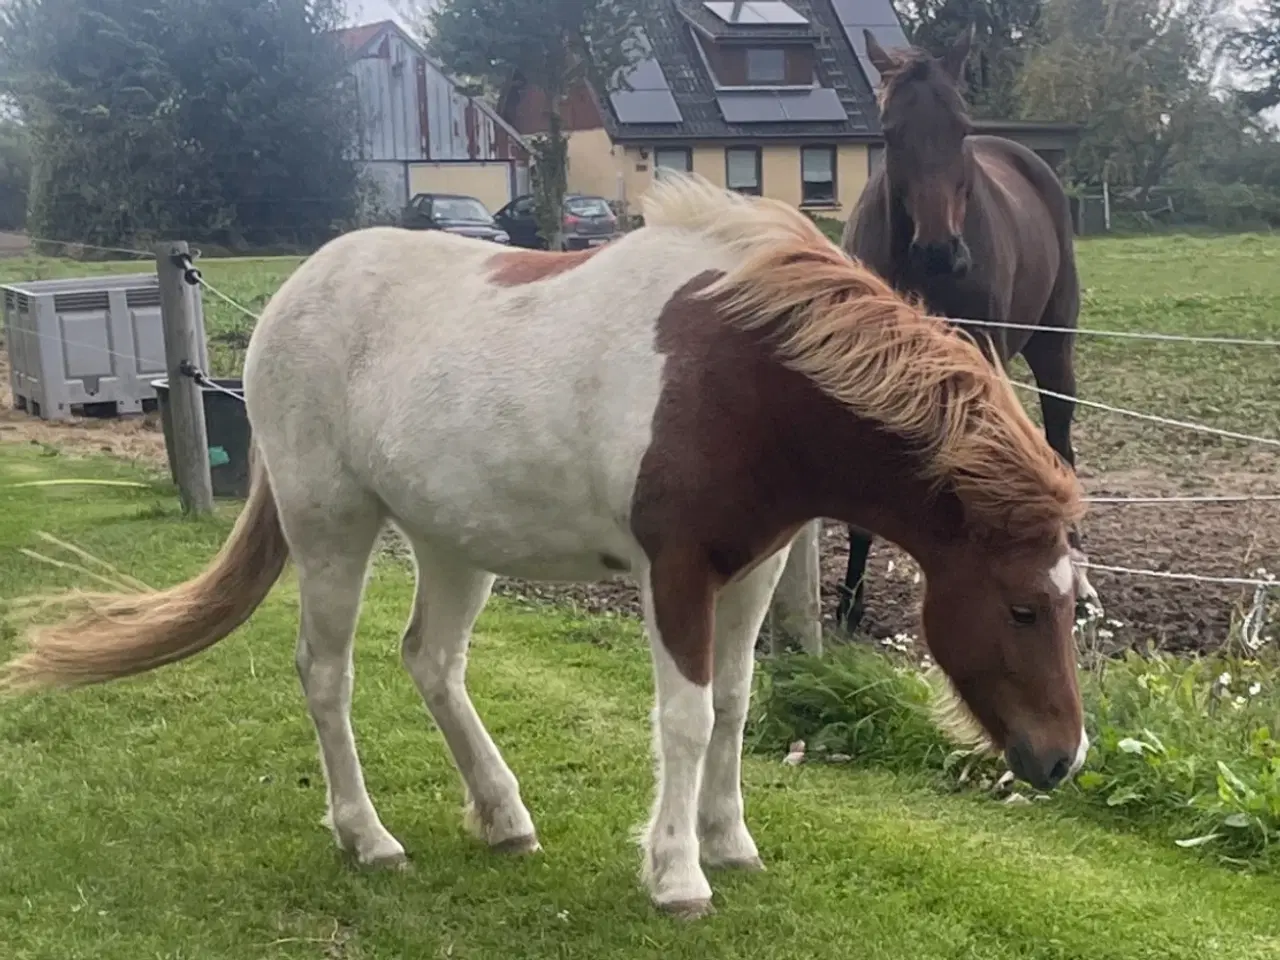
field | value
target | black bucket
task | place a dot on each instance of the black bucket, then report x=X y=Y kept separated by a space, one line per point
x=227 y=426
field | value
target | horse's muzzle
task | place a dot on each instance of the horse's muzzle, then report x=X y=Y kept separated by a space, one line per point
x=944 y=258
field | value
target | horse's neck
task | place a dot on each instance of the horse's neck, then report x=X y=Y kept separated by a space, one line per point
x=868 y=477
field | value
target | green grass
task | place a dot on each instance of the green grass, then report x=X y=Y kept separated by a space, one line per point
x=1183 y=749
x=1173 y=283
x=176 y=814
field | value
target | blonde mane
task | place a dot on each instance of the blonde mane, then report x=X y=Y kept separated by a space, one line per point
x=840 y=325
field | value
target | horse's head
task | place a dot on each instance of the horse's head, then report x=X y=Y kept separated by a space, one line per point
x=998 y=621
x=925 y=123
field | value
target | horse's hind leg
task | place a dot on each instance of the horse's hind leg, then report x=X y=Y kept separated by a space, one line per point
x=740 y=611
x=448 y=598
x=852 y=604
x=330 y=545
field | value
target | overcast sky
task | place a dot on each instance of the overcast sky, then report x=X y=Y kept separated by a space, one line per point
x=370 y=11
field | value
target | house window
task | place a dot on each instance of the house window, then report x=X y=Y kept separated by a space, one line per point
x=742 y=169
x=875 y=157
x=818 y=176
x=672 y=158
x=766 y=65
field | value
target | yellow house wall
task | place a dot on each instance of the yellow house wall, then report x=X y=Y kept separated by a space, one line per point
x=490 y=183
x=594 y=163
x=598 y=166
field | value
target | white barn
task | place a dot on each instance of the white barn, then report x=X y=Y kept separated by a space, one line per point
x=419 y=132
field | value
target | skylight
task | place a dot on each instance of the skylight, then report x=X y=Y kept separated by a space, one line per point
x=755 y=13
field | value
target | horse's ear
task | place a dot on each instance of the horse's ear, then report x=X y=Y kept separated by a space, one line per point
x=881 y=59
x=953 y=60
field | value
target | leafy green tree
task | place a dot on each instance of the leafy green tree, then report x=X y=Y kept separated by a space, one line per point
x=219 y=120
x=263 y=96
x=15 y=174
x=1258 y=48
x=1003 y=32
x=1137 y=74
x=551 y=47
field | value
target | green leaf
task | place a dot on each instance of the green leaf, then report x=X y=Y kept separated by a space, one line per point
x=1130 y=745
x=1236 y=783
x=1238 y=821
x=1122 y=796
x=1090 y=780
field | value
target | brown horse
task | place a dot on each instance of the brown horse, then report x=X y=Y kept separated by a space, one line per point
x=511 y=414
x=974 y=227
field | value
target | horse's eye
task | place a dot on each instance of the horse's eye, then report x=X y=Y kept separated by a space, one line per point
x=1023 y=616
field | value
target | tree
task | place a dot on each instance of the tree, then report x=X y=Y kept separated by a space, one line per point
x=15 y=174
x=1258 y=48
x=550 y=47
x=264 y=95
x=1137 y=74
x=1003 y=31
x=220 y=120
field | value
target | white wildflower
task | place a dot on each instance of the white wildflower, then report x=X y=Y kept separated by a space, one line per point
x=1240 y=702
x=1255 y=688
x=1224 y=679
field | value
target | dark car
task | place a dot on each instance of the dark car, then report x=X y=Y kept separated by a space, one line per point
x=588 y=222
x=452 y=213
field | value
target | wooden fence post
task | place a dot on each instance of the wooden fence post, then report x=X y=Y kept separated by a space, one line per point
x=186 y=399
x=796 y=614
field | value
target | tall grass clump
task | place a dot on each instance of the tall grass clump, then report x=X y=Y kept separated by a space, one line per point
x=1184 y=747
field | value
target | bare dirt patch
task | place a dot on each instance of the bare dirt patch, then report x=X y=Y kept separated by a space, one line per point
x=136 y=438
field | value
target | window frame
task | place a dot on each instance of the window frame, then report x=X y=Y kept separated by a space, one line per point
x=833 y=150
x=758 y=189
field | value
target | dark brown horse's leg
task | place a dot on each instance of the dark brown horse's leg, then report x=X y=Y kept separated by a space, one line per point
x=1050 y=356
x=851 y=607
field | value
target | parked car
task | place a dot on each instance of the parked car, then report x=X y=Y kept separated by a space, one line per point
x=452 y=213
x=588 y=222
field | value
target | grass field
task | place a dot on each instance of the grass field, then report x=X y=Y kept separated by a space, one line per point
x=177 y=815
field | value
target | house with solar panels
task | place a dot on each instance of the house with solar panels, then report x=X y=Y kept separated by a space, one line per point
x=769 y=97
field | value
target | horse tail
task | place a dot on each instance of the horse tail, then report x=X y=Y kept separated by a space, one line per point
x=117 y=635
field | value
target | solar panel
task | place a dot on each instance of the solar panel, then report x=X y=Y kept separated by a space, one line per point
x=756 y=12
x=779 y=106
x=645 y=106
x=820 y=103
x=876 y=16
x=649 y=98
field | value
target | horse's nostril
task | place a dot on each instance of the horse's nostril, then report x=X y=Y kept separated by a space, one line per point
x=1059 y=772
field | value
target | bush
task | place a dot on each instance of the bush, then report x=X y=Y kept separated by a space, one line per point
x=1184 y=747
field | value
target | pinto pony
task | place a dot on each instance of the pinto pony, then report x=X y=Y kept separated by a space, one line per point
x=511 y=414
x=975 y=227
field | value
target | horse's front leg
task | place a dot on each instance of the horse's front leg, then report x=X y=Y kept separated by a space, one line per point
x=679 y=596
x=740 y=611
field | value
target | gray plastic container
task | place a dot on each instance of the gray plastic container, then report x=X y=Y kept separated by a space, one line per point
x=88 y=345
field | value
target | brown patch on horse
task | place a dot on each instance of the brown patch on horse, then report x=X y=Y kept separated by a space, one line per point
x=880 y=356
x=515 y=268
x=801 y=350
